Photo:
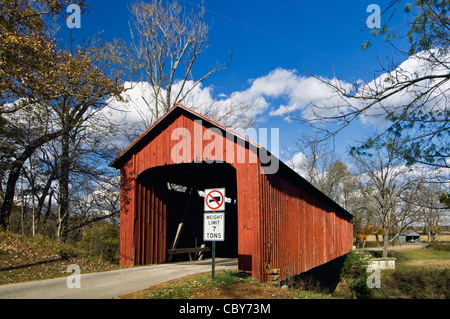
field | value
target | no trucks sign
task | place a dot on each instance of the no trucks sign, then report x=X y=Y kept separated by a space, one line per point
x=214 y=200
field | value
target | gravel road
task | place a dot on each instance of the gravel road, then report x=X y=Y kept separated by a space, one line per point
x=397 y=247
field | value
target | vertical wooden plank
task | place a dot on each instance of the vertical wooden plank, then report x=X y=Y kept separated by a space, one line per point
x=160 y=226
x=310 y=234
x=142 y=223
x=255 y=235
x=164 y=230
x=154 y=221
x=137 y=228
x=263 y=227
x=127 y=195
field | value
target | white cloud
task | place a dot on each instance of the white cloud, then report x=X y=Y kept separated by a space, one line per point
x=235 y=111
x=299 y=93
x=291 y=91
x=280 y=93
x=310 y=97
x=298 y=163
x=423 y=64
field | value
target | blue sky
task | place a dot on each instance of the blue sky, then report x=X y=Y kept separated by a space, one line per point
x=321 y=37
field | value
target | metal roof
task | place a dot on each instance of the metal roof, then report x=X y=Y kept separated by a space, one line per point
x=409 y=232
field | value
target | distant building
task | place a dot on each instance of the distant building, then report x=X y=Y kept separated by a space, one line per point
x=409 y=236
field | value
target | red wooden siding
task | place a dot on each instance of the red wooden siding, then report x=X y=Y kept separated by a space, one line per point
x=282 y=221
x=150 y=225
x=298 y=231
x=135 y=244
x=127 y=213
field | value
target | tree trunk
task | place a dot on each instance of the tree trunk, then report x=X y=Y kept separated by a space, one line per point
x=385 y=241
x=14 y=173
x=45 y=193
x=64 y=186
x=6 y=208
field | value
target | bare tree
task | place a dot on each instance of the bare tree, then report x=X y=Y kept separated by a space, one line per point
x=310 y=159
x=383 y=183
x=426 y=200
x=167 y=42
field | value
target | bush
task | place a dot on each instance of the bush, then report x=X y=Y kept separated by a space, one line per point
x=355 y=265
x=101 y=240
x=439 y=246
x=354 y=273
x=398 y=255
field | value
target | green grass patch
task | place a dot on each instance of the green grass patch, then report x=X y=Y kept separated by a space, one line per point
x=426 y=253
x=190 y=286
x=416 y=283
x=420 y=273
x=228 y=284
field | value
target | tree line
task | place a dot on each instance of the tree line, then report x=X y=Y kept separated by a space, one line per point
x=56 y=138
x=385 y=195
x=403 y=168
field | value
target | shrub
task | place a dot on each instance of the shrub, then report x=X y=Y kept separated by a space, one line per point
x=354 y=273
x=439 y=246
x=355 y=265
x=101 y=240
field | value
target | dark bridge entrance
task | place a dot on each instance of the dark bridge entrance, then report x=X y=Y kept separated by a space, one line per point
x=175 y=193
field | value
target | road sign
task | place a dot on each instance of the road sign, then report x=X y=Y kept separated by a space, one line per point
x=214 y=200
x=214 y=226
x=214 y=220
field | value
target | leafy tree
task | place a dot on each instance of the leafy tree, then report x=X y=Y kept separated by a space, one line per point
x=83 y=89
x=445 y=199
x=28 y=53
x=28 y=59
x=58 y=90
x=412 y=96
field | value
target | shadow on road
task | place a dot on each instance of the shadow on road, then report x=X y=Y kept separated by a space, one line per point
x=219 y=262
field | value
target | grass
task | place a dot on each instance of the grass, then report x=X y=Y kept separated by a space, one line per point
x=431 y=257
x=25 y=258
x=411 y=279
x=415 y=283
x=420 y=273
x=228 y=284
x=195 y=285
x=426 y=253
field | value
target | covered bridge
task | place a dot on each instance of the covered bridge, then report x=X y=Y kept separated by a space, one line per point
x=275 y=219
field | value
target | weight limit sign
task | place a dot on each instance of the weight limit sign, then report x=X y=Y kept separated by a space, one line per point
x=214 y=226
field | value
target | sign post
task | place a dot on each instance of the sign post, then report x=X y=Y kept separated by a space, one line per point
x=214 y=220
